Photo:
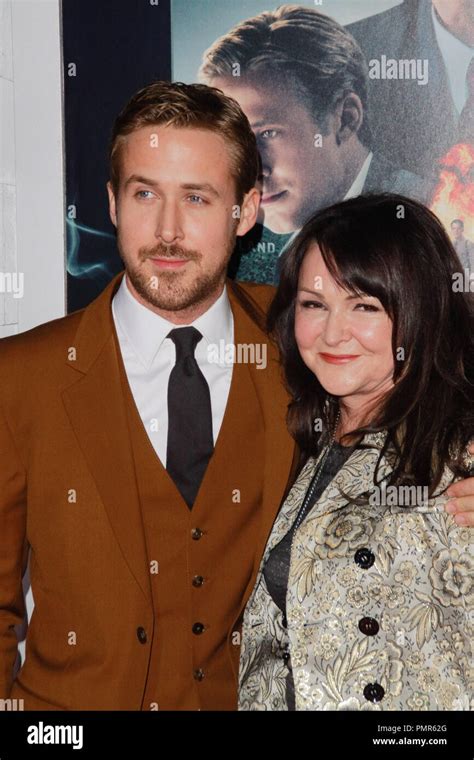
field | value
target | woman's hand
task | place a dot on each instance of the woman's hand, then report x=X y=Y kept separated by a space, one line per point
x=461 y=505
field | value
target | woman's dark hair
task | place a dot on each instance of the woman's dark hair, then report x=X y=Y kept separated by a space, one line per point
x=395 y=249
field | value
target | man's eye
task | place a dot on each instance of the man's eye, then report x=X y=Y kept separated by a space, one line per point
x=268 y=134
x=143 y=193
x=197 y=200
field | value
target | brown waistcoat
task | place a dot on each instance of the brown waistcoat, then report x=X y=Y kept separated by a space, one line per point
x=199 y=580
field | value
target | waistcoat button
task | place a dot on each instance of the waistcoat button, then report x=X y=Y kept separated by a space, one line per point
x=198 y=674
x=198 y=580
x=198 y=628
x=141 y=634
x=196 y=534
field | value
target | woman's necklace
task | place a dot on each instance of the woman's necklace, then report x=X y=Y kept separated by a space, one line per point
x=316 y=476
x=301 y=514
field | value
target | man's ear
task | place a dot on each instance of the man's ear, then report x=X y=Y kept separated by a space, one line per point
x=248 y=211
x=112 y=204
x=349 y=114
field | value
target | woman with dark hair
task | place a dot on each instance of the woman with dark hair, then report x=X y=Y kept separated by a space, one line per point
x=365 y=594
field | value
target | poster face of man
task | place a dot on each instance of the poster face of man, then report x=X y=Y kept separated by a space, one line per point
x=295 y=165
x=457 y=230
x=303 y=82
x=463 y=246
x=344 y=97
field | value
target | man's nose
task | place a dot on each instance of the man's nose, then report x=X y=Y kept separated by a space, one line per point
x=266 y=169
x=168 y=225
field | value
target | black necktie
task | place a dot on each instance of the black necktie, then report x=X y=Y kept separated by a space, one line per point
x=190 y=442
x=466 y=119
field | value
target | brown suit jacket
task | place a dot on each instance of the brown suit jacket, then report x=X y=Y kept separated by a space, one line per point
x=68 y=496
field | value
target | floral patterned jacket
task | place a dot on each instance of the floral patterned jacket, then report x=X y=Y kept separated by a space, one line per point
x=380 y=603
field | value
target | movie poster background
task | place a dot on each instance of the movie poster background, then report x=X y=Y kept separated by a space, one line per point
x=417 y=147
x=111 y=48
x=414 y=110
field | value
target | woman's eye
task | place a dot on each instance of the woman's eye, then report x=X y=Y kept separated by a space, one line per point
x=369 y=307
x=312 y=305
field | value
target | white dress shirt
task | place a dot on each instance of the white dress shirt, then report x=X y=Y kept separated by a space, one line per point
x=359 y=182
x=457 y=57
x=149 y=356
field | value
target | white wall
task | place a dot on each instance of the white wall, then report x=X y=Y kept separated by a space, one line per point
x=32 y=232
x=8 y=305
x=32 y=235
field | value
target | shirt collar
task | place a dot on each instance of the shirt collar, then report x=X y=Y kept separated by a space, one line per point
x=457 y=57
x=359 y=182
x=147 y=330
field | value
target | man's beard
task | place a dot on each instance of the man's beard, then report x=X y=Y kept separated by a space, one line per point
x=164 y=289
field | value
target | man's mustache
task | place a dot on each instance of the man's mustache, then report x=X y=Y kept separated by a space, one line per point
x=168 y=252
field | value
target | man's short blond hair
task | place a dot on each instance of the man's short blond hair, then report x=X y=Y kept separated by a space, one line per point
x=189 y=106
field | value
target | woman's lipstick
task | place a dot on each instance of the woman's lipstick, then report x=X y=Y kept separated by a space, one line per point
x=338 y=358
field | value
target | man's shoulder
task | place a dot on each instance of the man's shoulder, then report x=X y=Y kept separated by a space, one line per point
x=261 y=293
x=42 y=340
x=255 y=299
x=385 y=176
x=381 y=22
x=384 y=28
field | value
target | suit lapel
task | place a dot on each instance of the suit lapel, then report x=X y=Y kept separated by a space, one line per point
x=424 y=44
x=96 y=409
x=279 y=453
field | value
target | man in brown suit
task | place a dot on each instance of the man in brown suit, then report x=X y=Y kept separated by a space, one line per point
x=142 y=474
x=138 y=575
